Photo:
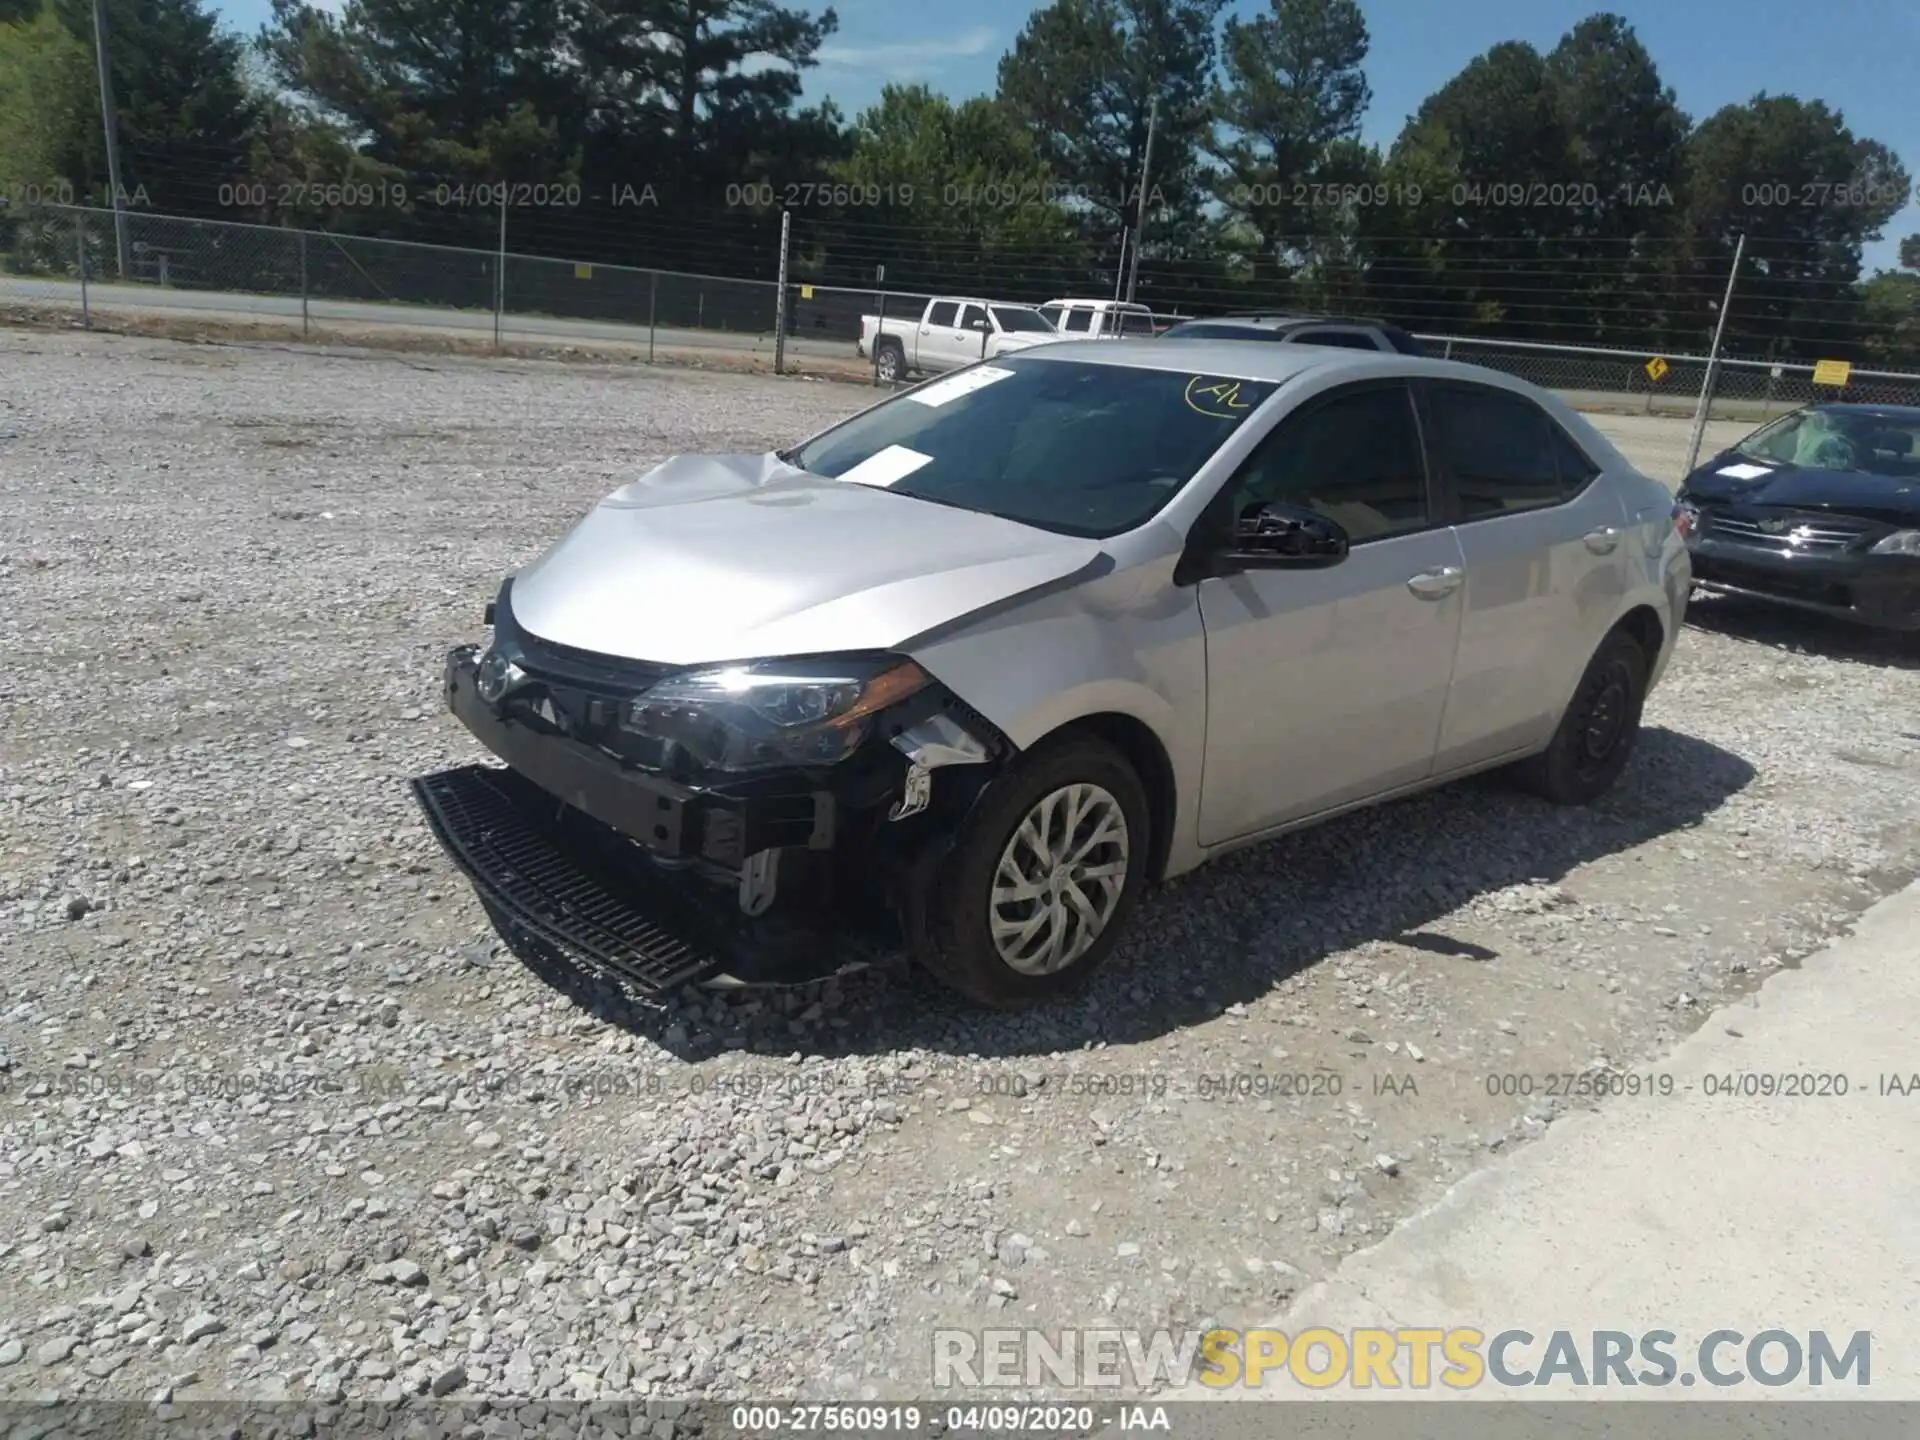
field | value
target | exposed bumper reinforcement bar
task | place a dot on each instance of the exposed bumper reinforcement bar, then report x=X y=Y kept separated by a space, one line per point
x=583 y=888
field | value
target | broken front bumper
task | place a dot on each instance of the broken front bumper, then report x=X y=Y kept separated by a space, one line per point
x=616 y=865
x=724 y=828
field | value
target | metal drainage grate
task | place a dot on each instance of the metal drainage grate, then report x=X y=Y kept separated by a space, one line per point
x=563 y=877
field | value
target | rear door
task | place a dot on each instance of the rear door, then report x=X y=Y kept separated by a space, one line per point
x=967 y=342
x=1545 y=561
x=1328 y=686
x=933 y=348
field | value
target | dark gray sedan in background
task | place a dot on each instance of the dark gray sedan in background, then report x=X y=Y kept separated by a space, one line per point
x=1819 y=510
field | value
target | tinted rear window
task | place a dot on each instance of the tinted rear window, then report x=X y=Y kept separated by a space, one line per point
x=1201 y=330
x=1067 y=446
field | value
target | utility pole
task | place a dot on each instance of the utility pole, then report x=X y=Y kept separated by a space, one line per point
x=110 y=119
x=1146 y=174
x=1713 y=363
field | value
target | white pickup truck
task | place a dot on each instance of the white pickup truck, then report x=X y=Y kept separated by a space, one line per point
x=1102 y=319
x=952 y=331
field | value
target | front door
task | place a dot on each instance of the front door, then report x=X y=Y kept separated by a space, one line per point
x=1328 y=686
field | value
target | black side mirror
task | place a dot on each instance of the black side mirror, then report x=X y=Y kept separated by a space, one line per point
x=1285 y=537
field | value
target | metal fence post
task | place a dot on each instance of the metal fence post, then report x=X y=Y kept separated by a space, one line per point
x=879 y=319
x=653 y=308
x=304 y=323
x=1713 y=362
x=1448 y=353
x=80 y=242
x=780 y=298
x=500 y=271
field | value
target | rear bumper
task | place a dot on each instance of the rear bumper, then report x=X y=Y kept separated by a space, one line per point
x=1878 y=590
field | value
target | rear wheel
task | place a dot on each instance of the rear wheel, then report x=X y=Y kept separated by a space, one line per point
x=890 y=362
x=1597 y=732
x=1041 y=879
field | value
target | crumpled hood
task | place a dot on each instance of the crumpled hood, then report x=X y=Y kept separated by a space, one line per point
x=711 y=558
x=1888 y=498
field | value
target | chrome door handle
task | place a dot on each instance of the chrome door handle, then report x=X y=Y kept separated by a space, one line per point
x=1436 y=584
x=1603 y=541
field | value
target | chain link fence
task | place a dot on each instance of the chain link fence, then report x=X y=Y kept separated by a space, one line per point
x=219 y=272
x=212 y=271
x=1743 y=389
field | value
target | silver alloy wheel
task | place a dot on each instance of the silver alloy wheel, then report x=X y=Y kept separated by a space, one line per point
x=1059 y=879
x=889 y=364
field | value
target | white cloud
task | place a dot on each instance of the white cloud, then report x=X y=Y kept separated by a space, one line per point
x=907 y=59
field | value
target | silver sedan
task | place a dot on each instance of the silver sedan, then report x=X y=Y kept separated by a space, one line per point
x=997 y=653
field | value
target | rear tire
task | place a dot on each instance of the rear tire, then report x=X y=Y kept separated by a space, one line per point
x=1597 y=733
x=890 y=363
x=1041 y=879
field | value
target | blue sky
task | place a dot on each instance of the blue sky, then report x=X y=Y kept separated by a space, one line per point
x=1857 y=55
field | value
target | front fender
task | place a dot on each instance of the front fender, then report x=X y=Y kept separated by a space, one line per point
x=1126 y=645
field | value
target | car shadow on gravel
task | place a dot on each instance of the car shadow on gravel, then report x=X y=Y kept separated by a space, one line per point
x=1220 y=937
x=1754 y=622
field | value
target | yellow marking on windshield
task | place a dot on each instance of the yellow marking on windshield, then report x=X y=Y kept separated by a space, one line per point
x=1219 y=399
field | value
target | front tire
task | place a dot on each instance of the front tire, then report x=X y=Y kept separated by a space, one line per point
x=1597 y=732
x=1041 y=879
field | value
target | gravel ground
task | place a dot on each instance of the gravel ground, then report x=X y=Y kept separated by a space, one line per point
x=281 y=1116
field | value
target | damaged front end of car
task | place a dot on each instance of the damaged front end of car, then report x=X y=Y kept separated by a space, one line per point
x=768 y=821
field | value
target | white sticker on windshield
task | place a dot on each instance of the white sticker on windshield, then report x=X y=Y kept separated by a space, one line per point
x=886 y=467
x=1744 y=472
x=954 y=386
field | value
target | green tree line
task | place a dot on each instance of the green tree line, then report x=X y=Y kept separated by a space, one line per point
x=1210 y=162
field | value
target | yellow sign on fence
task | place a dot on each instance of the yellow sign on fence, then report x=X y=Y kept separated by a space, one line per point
x=1832 y=372
x=1656 y=368
x=806 y=292
x=583 y=272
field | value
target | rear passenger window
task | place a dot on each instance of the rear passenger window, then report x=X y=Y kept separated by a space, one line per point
x=1576 y=466
x=1503 y=452
x=943 y=313
x=1080 y=320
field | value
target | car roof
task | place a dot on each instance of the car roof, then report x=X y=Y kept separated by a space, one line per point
x=1255 y=360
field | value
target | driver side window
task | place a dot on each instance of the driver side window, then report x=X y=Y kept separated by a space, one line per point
x=1354 y=458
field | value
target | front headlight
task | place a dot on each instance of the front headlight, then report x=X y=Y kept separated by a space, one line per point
x=1901 y=542
x=772 y=713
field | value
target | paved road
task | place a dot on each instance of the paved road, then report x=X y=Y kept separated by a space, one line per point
x=1694 y=1212
x=224 y=307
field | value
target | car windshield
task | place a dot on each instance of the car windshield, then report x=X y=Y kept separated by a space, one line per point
x=1839 y=440
x=1067 y=446
x=1014 y=317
